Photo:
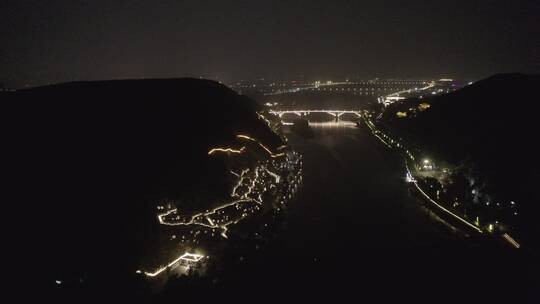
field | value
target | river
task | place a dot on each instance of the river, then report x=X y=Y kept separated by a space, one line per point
x=354 y=231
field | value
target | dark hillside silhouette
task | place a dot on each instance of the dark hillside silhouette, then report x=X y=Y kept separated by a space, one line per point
x=87 y=162
x=492 y=124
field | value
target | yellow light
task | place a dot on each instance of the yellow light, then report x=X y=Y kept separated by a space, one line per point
x=246 y=137
x=424 y=106
x=507 y=237
x=190 y=257
x=261 y=145
x=401 y=114
x=228 y=150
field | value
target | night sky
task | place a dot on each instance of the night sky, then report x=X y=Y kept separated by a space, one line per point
x=55 y=41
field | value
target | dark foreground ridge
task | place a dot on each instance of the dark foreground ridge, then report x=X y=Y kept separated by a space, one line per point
x=89 y=160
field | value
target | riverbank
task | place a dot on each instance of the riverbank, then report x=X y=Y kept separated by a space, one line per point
x=354 y=231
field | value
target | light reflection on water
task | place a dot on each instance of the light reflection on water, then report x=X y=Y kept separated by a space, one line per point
x=333 y=124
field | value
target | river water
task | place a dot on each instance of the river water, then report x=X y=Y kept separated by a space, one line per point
x=354 y=231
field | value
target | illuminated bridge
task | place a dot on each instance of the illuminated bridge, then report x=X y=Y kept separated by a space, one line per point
x=301 y=113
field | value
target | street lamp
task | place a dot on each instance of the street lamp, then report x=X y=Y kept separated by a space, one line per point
x=427 y=164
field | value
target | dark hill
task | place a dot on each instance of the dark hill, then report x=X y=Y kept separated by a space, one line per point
x=492 y=124
x=88 y=160
x=489 y=111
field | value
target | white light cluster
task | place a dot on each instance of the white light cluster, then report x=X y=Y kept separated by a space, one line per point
x=282 y=171
x=188 y=257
